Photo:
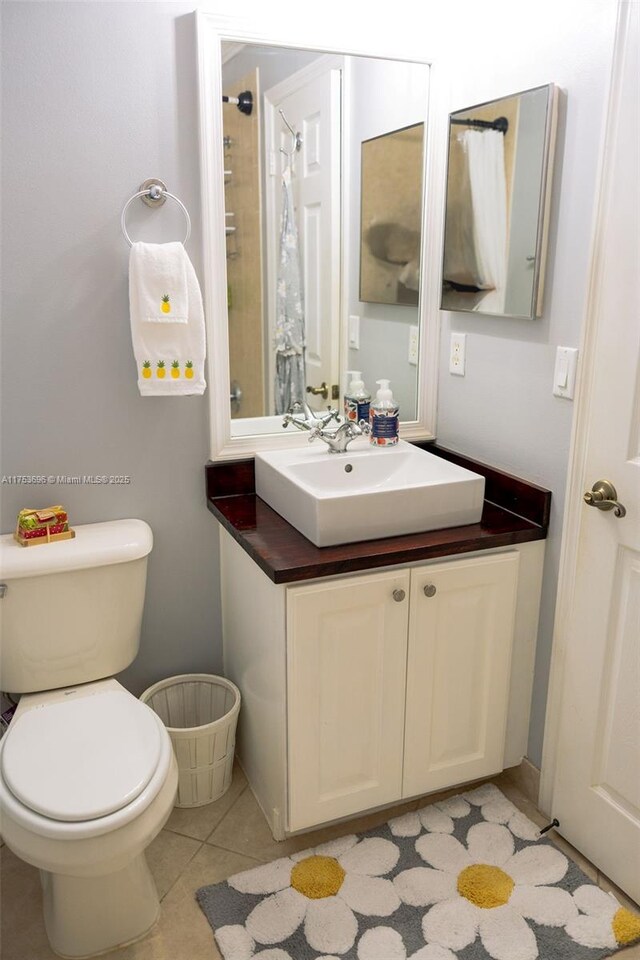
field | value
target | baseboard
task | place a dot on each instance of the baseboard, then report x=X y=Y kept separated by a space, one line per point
x=526 y=777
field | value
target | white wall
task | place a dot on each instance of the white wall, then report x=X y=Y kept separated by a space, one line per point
x=98 y=96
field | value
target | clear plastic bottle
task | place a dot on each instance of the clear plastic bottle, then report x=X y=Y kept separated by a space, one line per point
x=384 y=417
x=356 y=399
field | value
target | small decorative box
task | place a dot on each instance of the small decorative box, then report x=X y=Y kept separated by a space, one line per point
x=42 y=526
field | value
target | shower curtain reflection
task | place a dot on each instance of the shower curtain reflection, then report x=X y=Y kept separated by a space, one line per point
x=289 y=343
x=485 y=160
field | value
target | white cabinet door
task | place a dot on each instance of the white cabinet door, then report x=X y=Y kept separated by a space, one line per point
x=458 y=670
x=346 y=666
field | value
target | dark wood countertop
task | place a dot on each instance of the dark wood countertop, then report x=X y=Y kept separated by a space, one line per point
x=515 y=511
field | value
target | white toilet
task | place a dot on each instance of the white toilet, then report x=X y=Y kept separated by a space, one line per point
x=87 y=772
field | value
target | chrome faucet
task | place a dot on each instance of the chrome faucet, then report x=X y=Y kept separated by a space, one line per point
x=304 y=418
x=338 y=440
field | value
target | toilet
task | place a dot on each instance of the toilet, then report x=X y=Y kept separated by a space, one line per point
x=87 y=772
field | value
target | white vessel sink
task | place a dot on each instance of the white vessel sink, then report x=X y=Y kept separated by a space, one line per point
x=367 y=492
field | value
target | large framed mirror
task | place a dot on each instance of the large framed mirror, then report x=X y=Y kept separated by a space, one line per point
x=498 y=193
x=287 y=133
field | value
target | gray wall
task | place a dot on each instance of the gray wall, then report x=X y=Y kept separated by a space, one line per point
x=98 y=97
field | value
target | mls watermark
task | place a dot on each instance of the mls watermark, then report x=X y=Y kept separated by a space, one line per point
x=52 y=479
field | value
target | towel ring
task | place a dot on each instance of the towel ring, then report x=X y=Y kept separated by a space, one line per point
x=153 y=193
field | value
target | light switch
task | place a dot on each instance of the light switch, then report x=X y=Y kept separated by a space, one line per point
x=354 y=332
x=564 y=375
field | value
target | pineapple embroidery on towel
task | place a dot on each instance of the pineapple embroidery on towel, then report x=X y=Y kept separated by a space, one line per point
x=166 y=305
x=189 y=370
x=160 y=371
x=146 y=369
x=175 y=369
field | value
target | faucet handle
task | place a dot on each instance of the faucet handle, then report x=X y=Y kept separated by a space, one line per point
x=365 y=427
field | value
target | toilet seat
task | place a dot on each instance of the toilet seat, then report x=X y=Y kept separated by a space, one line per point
x=82 y=758
x=40 y=824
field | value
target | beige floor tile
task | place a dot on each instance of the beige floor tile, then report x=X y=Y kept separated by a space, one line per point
x=167 y=857
x=183 y=932
x=631 y=953
x=245 y=830
x=610 y=887
x=198 y=822
x=22 y=933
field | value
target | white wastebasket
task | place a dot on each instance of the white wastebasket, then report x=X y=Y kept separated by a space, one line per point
x=200 y=712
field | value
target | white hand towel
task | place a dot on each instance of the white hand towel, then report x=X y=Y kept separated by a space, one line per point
x=167 y=320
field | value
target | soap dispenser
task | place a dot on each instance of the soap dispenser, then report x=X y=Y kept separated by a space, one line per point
x=383 y=417
x=356 y=399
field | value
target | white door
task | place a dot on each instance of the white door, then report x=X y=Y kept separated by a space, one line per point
x=593 y=733
x=458 y=670
x=311 y=105
x=346 y=663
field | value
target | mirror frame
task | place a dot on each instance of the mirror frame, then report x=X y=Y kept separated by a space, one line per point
x=283 y=31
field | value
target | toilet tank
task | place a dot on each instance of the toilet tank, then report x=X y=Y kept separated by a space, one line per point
x=72 y=610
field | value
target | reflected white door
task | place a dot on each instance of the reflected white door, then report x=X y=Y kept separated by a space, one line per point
x=595 y=704
x=311 y=103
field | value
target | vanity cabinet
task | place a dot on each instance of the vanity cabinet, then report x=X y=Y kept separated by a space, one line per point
x=363 y=690
x=397 y=684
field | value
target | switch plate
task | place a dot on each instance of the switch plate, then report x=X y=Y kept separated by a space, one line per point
x=457 y=354
x=414 y=340
x=354 y=332
x=564 y=375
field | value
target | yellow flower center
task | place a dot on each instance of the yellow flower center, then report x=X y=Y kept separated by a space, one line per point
x=626 y=926
x=485 y=886
x=317 y=877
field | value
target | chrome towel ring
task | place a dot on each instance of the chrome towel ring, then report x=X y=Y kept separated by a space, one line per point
x=154 y=193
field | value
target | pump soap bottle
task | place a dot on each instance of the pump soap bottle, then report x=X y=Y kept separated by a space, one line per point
x=356 y=399
x=383 y=417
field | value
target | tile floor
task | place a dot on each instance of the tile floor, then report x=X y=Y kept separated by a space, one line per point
x=201 y=846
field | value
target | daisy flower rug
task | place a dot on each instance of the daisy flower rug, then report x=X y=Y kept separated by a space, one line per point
x=464 y=879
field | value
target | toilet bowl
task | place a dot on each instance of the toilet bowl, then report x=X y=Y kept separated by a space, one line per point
x=87 y=779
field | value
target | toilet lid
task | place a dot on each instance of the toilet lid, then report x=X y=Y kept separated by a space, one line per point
x=84 y=757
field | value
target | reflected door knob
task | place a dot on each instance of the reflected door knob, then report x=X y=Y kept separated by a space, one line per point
x=604 y=496
x=399 y=595
x=321 y=391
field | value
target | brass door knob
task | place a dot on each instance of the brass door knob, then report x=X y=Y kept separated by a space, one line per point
x=604 y=496
x=321 y=391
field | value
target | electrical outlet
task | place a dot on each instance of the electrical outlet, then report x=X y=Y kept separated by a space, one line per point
x=354 y=332
x=457 y=354
x=414 y=339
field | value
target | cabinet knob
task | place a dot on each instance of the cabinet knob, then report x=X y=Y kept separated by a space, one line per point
x=429 y=590
x=398 y=595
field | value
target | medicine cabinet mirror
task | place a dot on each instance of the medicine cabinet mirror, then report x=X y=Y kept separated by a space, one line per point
x=286 y=132
x=498 y=194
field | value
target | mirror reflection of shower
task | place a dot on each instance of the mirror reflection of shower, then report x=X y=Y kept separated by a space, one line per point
x=289 y=344
x=242 y=174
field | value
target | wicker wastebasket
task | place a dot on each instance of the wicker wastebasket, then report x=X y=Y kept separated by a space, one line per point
x=200 y=712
